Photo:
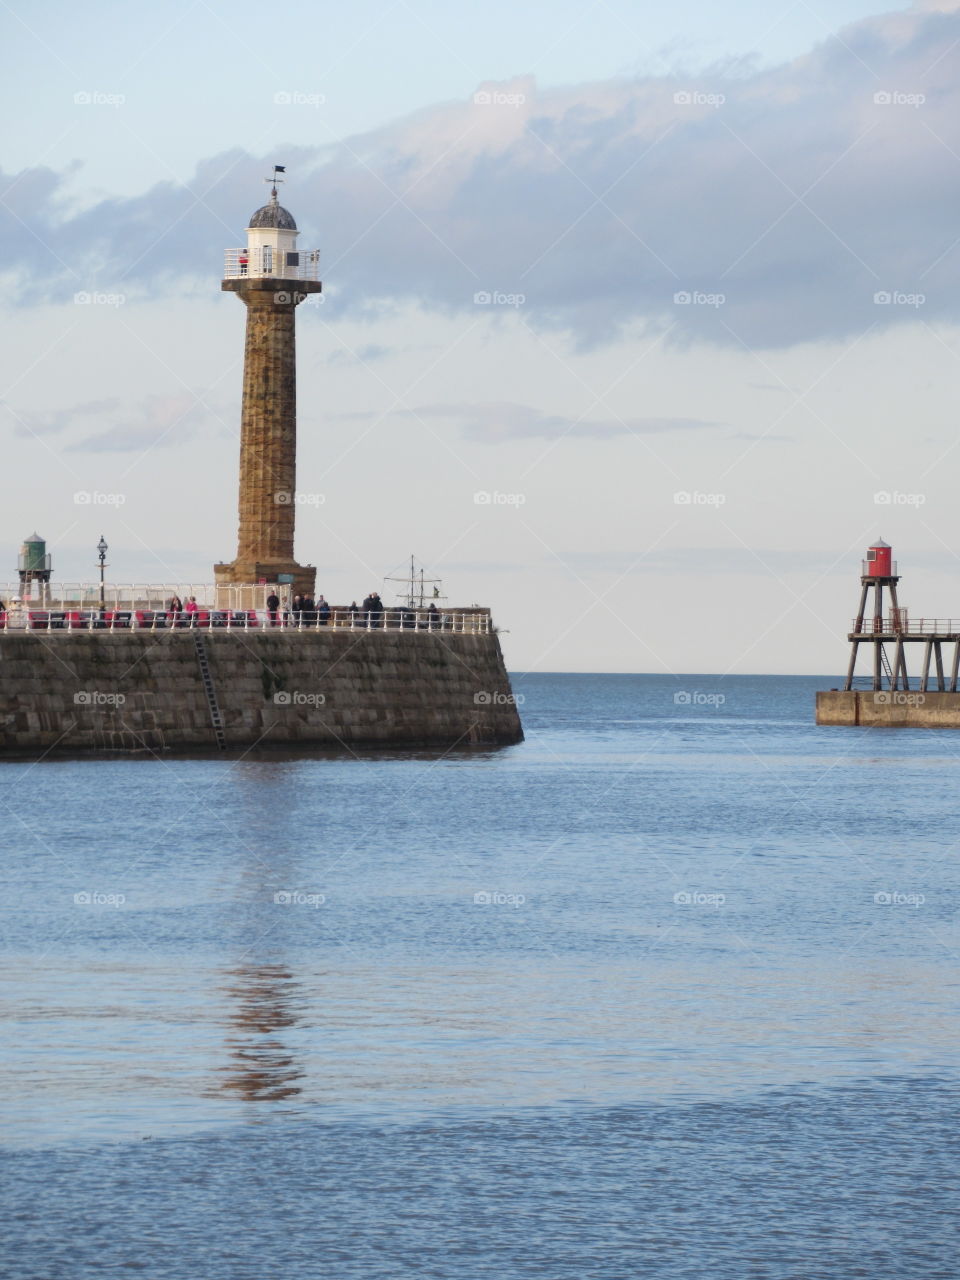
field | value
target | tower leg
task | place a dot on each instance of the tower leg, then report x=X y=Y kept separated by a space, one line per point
x=903 y=665
x=939 y=658
x=925 y=676
x=858 y=625
x=877 y=664
x=956 y=667
x=898 y=664
x=894 y=606
x=850 y=668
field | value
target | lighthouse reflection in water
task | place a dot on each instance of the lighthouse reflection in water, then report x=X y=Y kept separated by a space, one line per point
x=262 y=1000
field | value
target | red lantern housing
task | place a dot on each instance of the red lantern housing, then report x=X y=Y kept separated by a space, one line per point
x=879 y=561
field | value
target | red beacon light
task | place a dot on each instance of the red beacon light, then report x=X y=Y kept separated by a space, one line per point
x=879 y=562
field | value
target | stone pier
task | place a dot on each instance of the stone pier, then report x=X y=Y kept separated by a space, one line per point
x=143 y=691
x=889 y=708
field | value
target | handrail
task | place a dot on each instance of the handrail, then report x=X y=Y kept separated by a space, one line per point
x=26 y=621
x=138 y=595
x=158 y=595
x=902 y=626
x=265 y=262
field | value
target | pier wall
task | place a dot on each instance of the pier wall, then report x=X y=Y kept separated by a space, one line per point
x=144 y=691
x=904 y=709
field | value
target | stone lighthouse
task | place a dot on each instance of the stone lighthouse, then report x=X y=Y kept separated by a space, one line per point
x=271 y=278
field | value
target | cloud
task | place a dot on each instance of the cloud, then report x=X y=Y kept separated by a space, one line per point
x=712 y=560
x=774 y=206
x=758 y=436
x=159 y=421
x=353 y=415
x=484 y=566
x=719 y=561
x=496 y=421
x=47 y=422
x=156 y=421
x=373 y=351
x=363 y=355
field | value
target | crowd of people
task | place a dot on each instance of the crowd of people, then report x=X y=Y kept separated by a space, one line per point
x=303 y=610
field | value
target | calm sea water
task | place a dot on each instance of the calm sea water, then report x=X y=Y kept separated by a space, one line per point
x=670 y=989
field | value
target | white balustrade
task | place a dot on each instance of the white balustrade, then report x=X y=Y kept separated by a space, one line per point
x=71 y=608
x=264 y=261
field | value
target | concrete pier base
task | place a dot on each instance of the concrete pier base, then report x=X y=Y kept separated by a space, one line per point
x=149 y=691
x=891 y=709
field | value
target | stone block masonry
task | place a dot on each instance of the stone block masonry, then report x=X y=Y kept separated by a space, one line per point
x=889 y=709
x=143 y=691
x=268 y=435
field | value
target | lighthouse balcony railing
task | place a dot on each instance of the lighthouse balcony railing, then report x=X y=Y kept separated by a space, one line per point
x=265 y=262
x=869 y=569
x=900 y=624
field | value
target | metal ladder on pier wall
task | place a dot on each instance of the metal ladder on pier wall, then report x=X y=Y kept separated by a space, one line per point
x=208 y=687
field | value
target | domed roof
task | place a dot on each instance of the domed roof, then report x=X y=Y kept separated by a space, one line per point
x=273 y=215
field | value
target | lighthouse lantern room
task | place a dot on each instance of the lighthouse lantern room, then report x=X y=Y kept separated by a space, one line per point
x=271 y=248
x=879 y=561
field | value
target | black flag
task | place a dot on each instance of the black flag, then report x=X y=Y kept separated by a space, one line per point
x=279 y=168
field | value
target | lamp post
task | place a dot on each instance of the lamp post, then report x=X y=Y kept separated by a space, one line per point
x=102 y=552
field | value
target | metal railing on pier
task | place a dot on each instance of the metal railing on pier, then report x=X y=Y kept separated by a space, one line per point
x=900 y=625
x=74 y=621
x=71 y=607
x=64 y=596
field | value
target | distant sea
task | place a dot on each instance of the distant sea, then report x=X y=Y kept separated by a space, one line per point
x=668 y=990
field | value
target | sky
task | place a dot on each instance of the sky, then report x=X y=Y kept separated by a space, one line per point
x=639 y=322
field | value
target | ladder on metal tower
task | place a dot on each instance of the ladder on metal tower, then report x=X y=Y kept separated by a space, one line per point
x=208 y=687
x=885 y=664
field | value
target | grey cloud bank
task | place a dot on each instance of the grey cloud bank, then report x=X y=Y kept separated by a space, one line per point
x=156 y=420
x=503 y=420
x=804 y=203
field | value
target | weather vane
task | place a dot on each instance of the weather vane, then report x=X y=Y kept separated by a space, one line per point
x=277 y=168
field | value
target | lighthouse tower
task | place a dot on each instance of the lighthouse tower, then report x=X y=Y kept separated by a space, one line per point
x=271 y=277
x=879 y=572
